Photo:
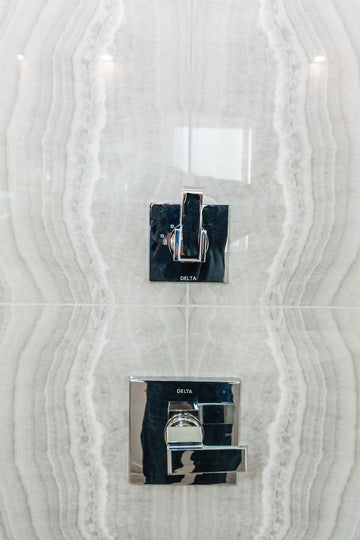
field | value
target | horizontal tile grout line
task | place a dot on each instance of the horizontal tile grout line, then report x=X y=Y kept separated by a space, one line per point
x=207 y=306
x=259 y=306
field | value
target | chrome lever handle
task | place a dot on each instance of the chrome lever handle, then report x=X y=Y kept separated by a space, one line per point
x=191 y=221
x=207 y=459
x=189 y=241
x=186 y=453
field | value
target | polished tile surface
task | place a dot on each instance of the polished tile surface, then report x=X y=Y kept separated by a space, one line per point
x=299 y=417
x=281 y=80
x=114 y=105
x=89 y=117
x=64 y=420
x=106 y=107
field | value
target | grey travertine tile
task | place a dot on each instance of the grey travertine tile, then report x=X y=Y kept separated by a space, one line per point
x=276 y=134
x=89 y=118
x=64 y=421
x=299 y=416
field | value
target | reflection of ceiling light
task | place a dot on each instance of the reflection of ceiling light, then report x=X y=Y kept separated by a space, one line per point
x=106 y=58
x=20 y=57
x=319 y=59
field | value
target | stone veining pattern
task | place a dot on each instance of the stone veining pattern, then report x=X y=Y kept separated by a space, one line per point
x=105 y=107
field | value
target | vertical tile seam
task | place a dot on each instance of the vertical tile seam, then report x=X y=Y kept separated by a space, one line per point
x=190 y=61
x=185 y=498
x=187 y=330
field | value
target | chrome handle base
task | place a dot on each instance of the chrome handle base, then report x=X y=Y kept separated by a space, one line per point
x=178 y=251
x=183 y=430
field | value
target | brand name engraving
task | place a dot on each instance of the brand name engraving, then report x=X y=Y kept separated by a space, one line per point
x=184 y=391
x=188 y=278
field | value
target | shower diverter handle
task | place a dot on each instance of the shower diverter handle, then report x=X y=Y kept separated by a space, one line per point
x=189 y=241
x=186 y=453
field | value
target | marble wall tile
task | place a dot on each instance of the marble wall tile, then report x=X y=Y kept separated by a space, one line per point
x=299 y=417
x=113 y=105
x=275 y=134
x=105 y=107
x=92 y=104
x=64 y=421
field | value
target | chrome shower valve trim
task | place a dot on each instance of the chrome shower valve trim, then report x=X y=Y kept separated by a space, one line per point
x=188 y=241
x=185 y=442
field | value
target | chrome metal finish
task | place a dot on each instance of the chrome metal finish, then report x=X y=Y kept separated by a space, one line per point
x=208 y=459
x=216 y=413
x=189 y=241
x=192 y=234
x=183 y=430
x=191 y=441
x=176 y=407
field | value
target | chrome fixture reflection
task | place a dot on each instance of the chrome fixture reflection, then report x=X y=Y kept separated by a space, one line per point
x=188 y=242
x=185 y=431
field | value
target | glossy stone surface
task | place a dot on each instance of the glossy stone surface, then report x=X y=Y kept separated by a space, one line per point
x=106 y=107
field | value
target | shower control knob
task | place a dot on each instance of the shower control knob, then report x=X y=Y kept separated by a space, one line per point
x=184 y=436
x=183 y=430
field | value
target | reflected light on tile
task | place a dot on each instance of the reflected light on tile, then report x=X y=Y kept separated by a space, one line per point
x=181 y=148
x=20 y=57
x=240 y=245
x=317 y=69
x=215 y=152
x=106 y=57
x=319 y=59
x=249 y=156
